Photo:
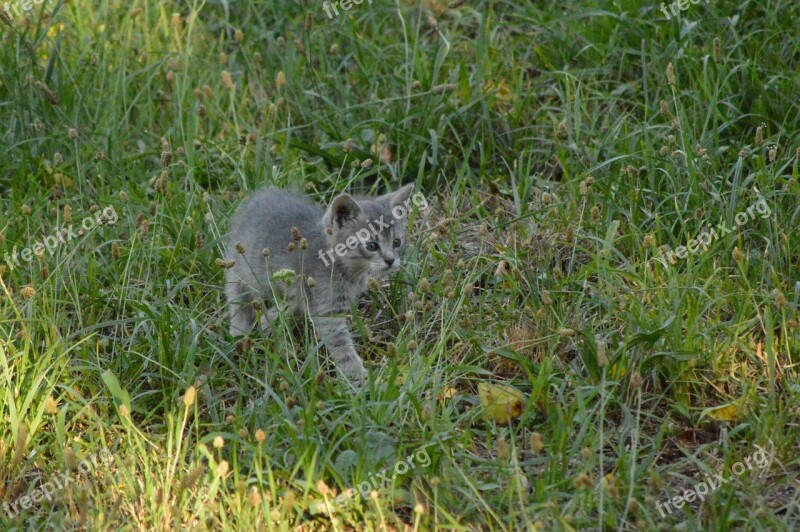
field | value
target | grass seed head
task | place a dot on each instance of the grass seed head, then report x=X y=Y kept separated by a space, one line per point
x=227 y=264
x=50 y=405
x=585 y=185
x=190 y=396
x=780 y=299
x=227 y=80
x=502 y=449
x=671 y=74
x=595 y=213
x=48 y=94
x=254 y=497
x=537 y=442
x=610 y=485
x=636 y=380
x=583 y=481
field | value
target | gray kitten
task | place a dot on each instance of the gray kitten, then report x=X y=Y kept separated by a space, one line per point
x=333 y=251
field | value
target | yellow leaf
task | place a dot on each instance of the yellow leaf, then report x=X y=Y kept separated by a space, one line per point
x=58 y=178
x=729 y=412
x=448 y=393
x=501 y=90
x=63 y=180
x=618 y=371
x=500 y=403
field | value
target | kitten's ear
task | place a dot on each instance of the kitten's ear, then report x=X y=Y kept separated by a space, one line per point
x=341 y=210
x=399 y=197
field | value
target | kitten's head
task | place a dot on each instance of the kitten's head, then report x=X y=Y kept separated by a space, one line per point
x=368 y=235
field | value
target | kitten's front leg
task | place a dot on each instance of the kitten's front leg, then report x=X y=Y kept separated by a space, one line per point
x=267 y=319
x=334 y=333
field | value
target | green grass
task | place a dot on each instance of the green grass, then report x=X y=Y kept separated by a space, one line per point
x=559 y=161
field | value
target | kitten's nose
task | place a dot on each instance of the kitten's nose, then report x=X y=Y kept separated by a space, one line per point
x=389 y=261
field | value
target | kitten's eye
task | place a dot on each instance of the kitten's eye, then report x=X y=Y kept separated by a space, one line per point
x=396 y=243
x=372 y=246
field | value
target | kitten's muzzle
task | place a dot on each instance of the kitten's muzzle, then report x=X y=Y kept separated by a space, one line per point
x=385 y=269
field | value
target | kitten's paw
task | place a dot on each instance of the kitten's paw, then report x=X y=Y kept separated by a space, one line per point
x=266 y=326
x=358 y=378
x=236 y=332
x=240 y=326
